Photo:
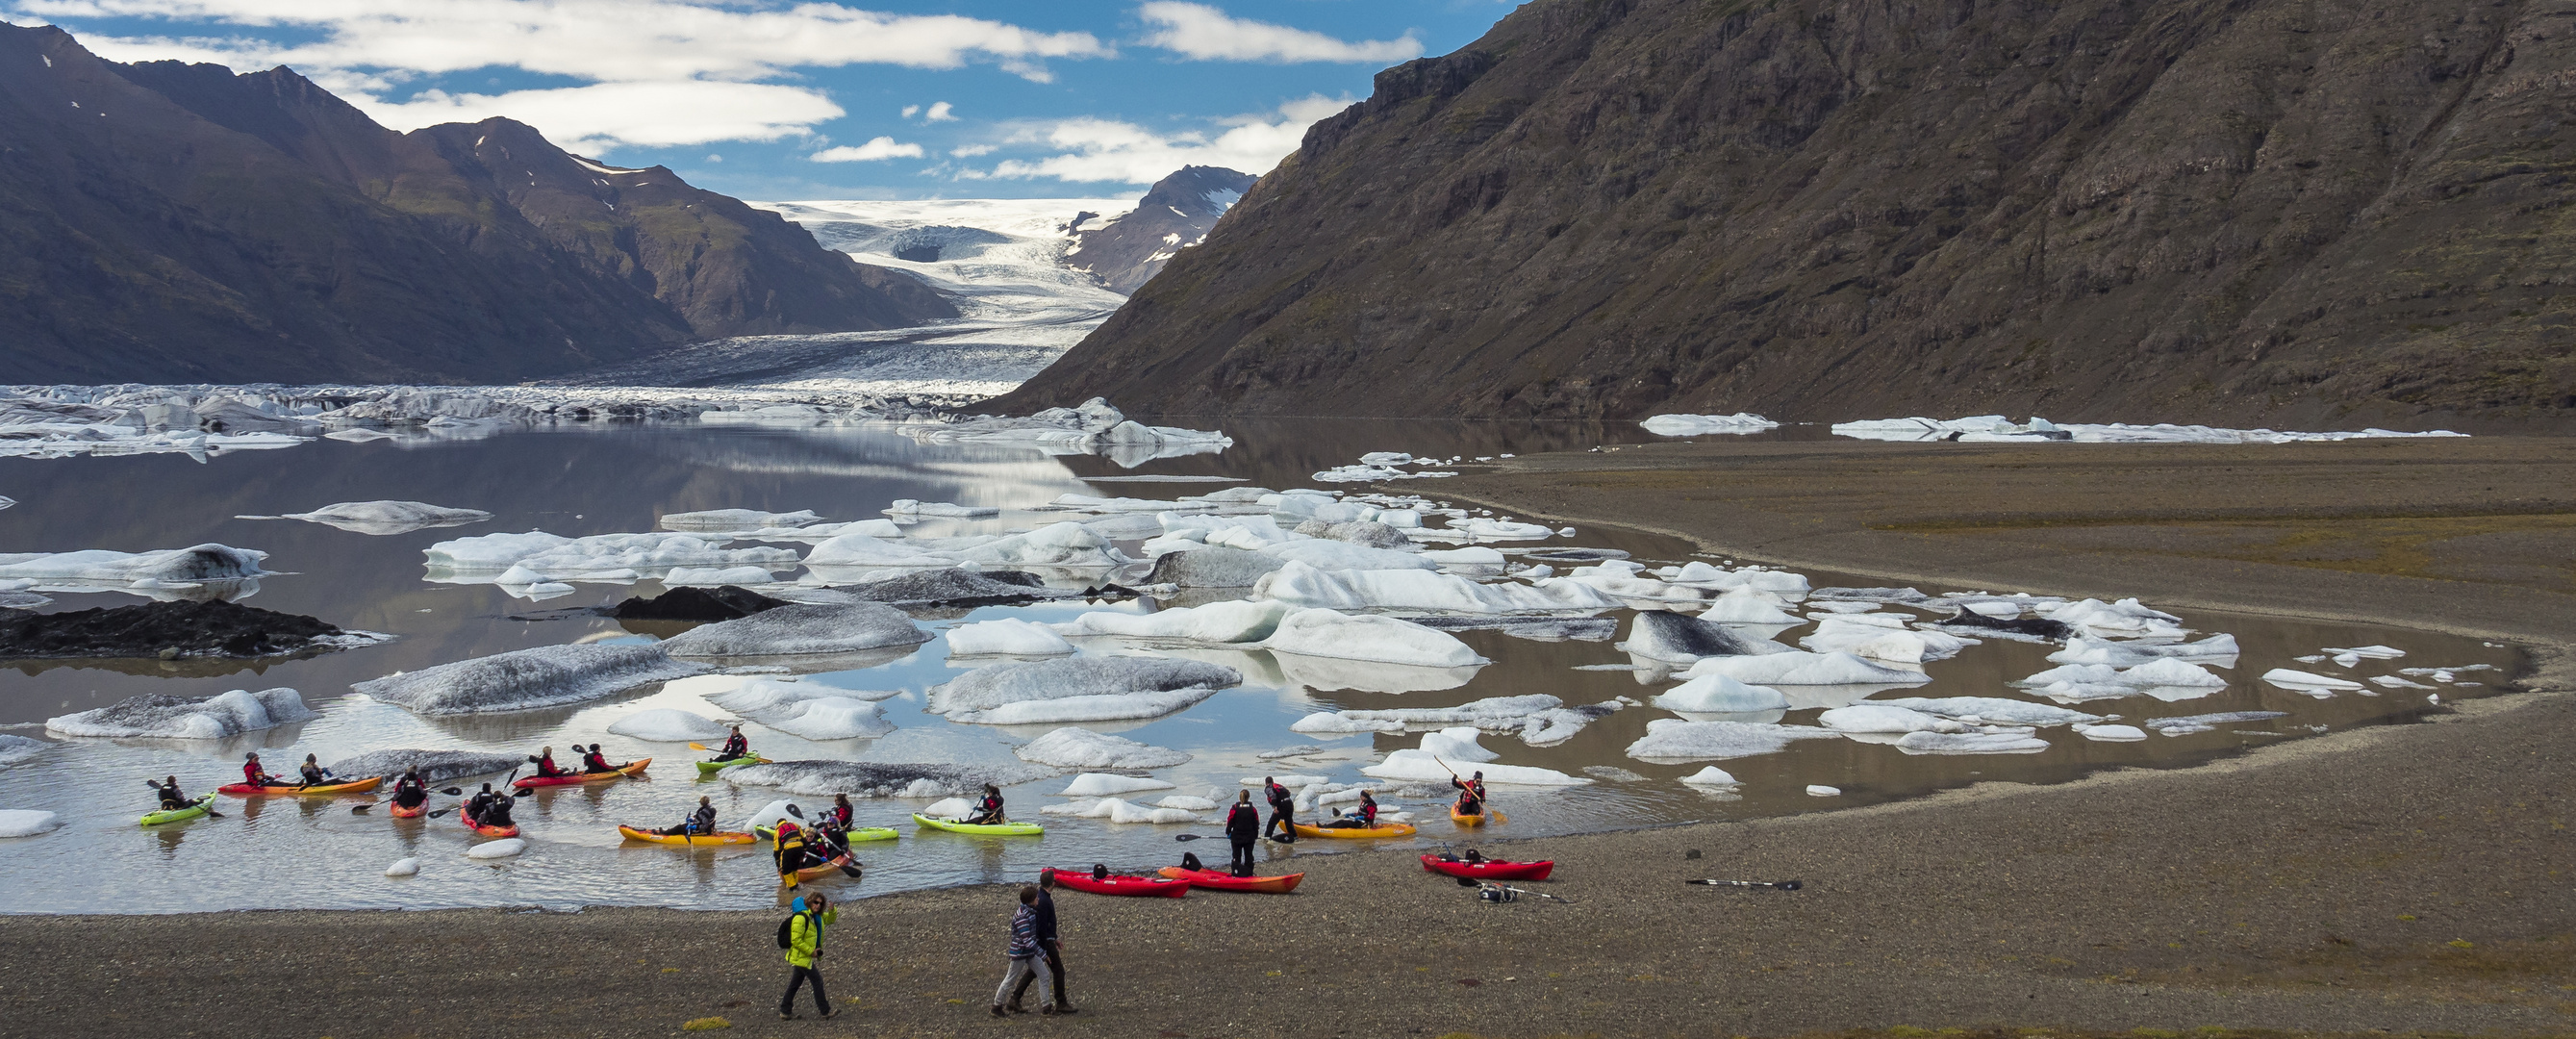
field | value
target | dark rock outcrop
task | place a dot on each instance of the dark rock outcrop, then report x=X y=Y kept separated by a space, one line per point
x=954 y=587
x=1127 y=252
x=2244 y=212
x=167 y=222
x=191 y=629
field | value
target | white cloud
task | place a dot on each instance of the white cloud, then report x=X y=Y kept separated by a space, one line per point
x=877 y=148
x=911 y=110
x=969 y=151
x=939 y=113
x=600 y=116
x=712 y=157
x=1101 y=150
x=1208 y=34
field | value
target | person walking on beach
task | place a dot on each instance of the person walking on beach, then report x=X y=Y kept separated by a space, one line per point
x=805 y=953
x=1024 y=955
x=1242 y=827
x=1049 y=945
x=1283 y=811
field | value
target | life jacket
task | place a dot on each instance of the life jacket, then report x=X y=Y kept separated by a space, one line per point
x=251 y=773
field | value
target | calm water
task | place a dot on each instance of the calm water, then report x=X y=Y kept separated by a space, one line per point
x=594 y=480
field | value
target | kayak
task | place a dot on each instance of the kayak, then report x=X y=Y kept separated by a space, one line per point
x=1490 y=869
x=997 y=829
x=1463 y=819
x=702 y=840
x=857 y=834
x=828 y=869
x=1147 y=887
x=172 y=815
x=354 y=786
x=1355 y=833
x=413 y=812
x=511 y=830
x=1215 y=880
x=631 y=768
x=709 y=768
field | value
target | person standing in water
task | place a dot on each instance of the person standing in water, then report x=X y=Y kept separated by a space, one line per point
x=805 y=953
x=1283 y=811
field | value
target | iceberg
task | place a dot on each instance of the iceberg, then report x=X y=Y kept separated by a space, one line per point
x=1383 y=640
x=384 y=517
x=1426 y=590
x=1059 y=545
x=1420 y=766
x=1710 y=776
x=867 y=550
x=2123 y=619
x=1105 y=784
x=1877 y=717
x=666 y=725
x=1718 y=694
x=171 y=717
x=1093 y=428
x=1970 y=743
x=1799 y=668
x=2311 y=684
x=2078 y=682
x=954 y=587
x=404 y=867
x=1674 y=740
x=1079 y=748
x=1209 y=566
x=1707 y=425
x=1079 y=689
x=546 y=676
x=809 y=710
x=1988 y=710
x=1538 y=718
x=1457 y=744
x=800 y=629
x=875 y=779
x=1227 y=622
x=718 y=520
x=1120 y=810
x=20 y=822
x=1747 y=605
x=537 y=557
x=1846 y=634
x=508 y=847
x=1667 y=636
x=2111 y=733
x=1008 y=636
x=103 y=570
x=1323 y=554
x=2216 y=649
x=435 y=766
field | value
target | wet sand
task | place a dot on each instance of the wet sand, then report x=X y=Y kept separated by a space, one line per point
x=2409 y=878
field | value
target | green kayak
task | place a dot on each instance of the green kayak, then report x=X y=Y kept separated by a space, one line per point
x=856 y=834
x=173 y=815
x=957 y=826
x=709 y=768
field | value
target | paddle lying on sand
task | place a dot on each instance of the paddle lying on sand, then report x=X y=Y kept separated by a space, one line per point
x=1774 y=885
x=209 y=806
x=1469 y=882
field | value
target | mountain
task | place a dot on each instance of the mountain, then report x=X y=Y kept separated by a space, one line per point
x=166 y=222
x=1126 y=251
x=2241 y=211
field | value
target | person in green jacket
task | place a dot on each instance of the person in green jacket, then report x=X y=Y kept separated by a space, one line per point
x=805 y=952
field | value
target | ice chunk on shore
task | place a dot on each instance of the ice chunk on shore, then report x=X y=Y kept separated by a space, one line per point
x=1008 y=636
x=1999 y=429
x=1990 y=710
x=435 y=766
x=1970 y=743
x=1799 y=668
x=545 y=676
x=20 y=822
x=1419 y=766
x=1674 y=740
x=1426 y=590
x=1080 y=748
x=384 y=517
x=507 y=847
x=878 y=779
x=171 y=717
x=715 y=520
x=666 y=725
x=1079 y=689
x=2305 y=682
x=1664 y=635
x=1383 y=640
x=1710 y=776
x=802 y=629
x=1707 y=425
x=1718 y=694
x=1877 y=717
x=102 y=570
x=2207 y=722
x=1105 y=784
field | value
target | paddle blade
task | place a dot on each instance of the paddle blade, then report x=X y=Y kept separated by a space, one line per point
x=454 y=791
x=359 y=809
x=697 y=746
x=441 y=813
x=795 y=811
x=851 y=872
x=1191 y=837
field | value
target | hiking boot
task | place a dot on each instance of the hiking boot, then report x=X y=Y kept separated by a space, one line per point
x=785 y=1016
x=830 y=1014
x=1016 y=1008
x=1049 y=1011
x=1066 y=1008
x=997 y=1011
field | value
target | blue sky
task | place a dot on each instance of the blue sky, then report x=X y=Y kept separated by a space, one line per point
x=799 y=99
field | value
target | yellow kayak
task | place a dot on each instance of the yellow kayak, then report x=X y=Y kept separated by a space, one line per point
x=1355 y=833
x=703 y=840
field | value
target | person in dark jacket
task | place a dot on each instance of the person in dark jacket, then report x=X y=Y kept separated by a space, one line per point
x=1359 y=818
x=544 y=759
x=735 y=746
x=1283 y=811
x=593 y=762
x=411 y=791
x=171 y=799
x=988 y=811
x=1471 y=794
x=313 y=773
x=699 y=823
x=1242 y=827
x=1050 y=946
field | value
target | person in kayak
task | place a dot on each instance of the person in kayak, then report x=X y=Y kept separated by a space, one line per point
x=253 y=775
x=313 y=773
x=1050 y=948
x=593 y=762
x=545 y=761
x=843 y=814
x=699 y=823
x=488 y=808
x=805 y=952
x=1242 y=827
x=171 y=799
x=1360 y=818
x=825 y=841
x=410 y=791
x=1283 y=811
x=1471 y=794
x=989 y=810
x=735 y=746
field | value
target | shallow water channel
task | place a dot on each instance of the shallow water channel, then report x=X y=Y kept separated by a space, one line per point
x=283 y=853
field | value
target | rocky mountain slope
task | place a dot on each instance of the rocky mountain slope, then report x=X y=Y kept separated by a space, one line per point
x=166 y=222
x=2278 y=211
x=1126 y=251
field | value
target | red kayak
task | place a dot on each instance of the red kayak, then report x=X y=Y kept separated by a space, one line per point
x=1490 y=869
x=631 y=768
x=511 y=830
x=413 y=812
x=1147 y=887
x=1214 y=880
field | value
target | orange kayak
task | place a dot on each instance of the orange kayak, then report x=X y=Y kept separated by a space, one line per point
x=1355 y=832
x=700 y=840
x=413 y=812
x=1215 y=880
x=818 y=872
x=631 y=768
x=511 y=830
x=354 y=786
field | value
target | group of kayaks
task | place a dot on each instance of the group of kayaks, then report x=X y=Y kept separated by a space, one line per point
x=1176 y=881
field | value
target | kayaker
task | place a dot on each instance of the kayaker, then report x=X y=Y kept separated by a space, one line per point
x=1283 y=811
x=253 y=775
x=1024 y=954
x=702 y=821
x=825 y=840
x=790 y=844
x=1242 y=827
x=594 y=763
x=410 y=791
x=735 y=746
x=545 y=762
x=1049 y=946
x=989 y=810
x=805 y=953
x=171 y=798
x=497 y=813
x=844 y=814
x=313 y=772
x=1359 y=818
x=1471 y=794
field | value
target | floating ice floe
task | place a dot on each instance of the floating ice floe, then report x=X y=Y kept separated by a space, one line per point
x=521 y=561
x=1668 y=636
x=384 y=517
x=716 y=576
x=1674 y=740
x=2206 y=722
x=1325 y=554
x=667 y=725
x=21 y=822
x=1475 y=529
x=1990 y=710
x=2371 y=652
x=1878 y=718
x=405 y=867
x=1747 y=606
x=2311 y=684
x=1895 y=596
x=1080 y=748
x=911 y=509
x=2111 y=733
x=720 y=520
x=1457 y=744
x=18 y=750
x=808 y=710
x=1224 y=623
x=1970 y=743
x=545 y=676
x=1094 y=428
x=875 y=779
x=1384 y=640
x=1821 y=790
x=435 y=766
x=1538 y=718
x=1422 y=766
x=1107 y=784
x=1007 y=636
x=172 y=717
x=1079 y=689
x=1998 y=429
x=1208 y=566
x=1535 y=629
x=505 y=848
x=950 y=586
x=1121 y=810
x=144 y=573
x=2394 y=682
x=1354 y=590
x=2075 y=683
x=1800 y=668
x=1845 y=634
x=1718 y=694
x=801 y=629
x=1707 y=425
x=1710 y=776
x=2217 y=649
x=2124 y=619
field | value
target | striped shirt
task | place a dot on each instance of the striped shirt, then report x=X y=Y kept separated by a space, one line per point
x=1024 y=932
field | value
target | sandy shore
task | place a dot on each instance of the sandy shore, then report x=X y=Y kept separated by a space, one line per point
x=2407 y=878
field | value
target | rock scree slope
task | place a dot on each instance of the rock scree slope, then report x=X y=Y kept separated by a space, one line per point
x=1175 y=214
x=168 y=222
x=2283 y=211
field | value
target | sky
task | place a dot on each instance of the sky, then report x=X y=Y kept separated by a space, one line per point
x=808 y=99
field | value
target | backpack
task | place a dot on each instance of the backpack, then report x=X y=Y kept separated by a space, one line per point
x=787 y=931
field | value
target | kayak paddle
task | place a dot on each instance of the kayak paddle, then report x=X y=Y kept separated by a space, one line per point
x=1474 y=883
x=1773 y=885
